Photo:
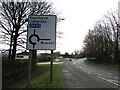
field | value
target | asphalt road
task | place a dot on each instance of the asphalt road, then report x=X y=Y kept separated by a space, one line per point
x=78 y=74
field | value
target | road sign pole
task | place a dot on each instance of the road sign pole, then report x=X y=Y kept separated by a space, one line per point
x=51 y=67
x=29 y=67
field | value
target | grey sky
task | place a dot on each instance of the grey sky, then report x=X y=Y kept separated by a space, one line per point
x=80 y=15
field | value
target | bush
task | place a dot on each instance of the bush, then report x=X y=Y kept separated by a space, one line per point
x=12 y=70
x=43 y=58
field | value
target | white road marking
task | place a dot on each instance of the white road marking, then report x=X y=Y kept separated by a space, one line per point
x=86 y=71
x=108 y=81
x=110 y=73
x=114 y=81
x=105 y=75
x=92 y=70
x=66 y=71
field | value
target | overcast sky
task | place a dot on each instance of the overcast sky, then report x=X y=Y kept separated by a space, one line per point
x=80 y=15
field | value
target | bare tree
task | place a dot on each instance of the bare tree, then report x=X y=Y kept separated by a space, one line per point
x=112 y=19
x=97 y=44
x=14 y=17
x=102 y=42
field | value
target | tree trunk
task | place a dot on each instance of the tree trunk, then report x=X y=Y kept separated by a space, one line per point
x=116 y=54
x=117 y=47
x=14 y=49
x=10 y=50
x=14 y=45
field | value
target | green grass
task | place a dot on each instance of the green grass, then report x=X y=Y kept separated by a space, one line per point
x=43 y=65
x=113 y=66
x=61 y=59
x=57 y=78
x=43 y=81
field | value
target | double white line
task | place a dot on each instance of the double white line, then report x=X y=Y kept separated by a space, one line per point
x=110 y=81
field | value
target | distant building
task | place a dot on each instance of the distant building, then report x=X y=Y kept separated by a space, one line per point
x=22 y=55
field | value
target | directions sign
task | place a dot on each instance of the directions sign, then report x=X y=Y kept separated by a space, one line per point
x=119 y=12
x=41 y=33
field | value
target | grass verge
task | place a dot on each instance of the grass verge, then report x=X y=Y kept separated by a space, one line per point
x=43 y=81
x=112 y=66
x=60 y=59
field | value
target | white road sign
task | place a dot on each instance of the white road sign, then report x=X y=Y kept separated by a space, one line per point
x=41 y=33
x=119 y=11
x=119 y=20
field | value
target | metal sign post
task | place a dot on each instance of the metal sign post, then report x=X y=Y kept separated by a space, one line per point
x=0 y=69
x=51 y=66
x=29 y=67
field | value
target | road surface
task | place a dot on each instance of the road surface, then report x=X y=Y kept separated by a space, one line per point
x=78 y=74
